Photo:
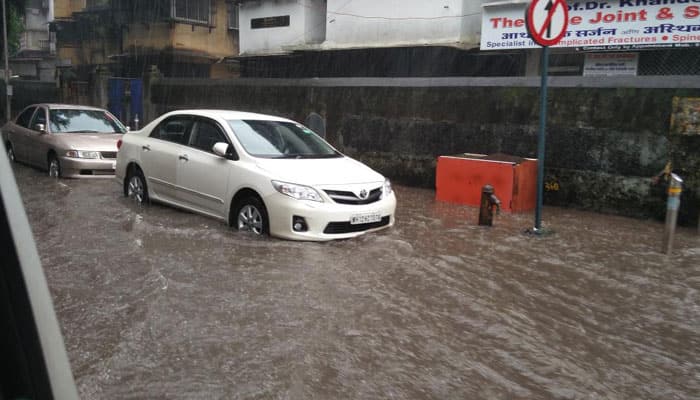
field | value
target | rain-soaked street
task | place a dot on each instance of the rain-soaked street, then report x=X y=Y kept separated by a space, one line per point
x=158 y=303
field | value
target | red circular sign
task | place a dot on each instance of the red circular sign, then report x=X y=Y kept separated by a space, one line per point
x=547 y=21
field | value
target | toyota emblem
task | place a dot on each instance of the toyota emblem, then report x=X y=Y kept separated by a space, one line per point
x=363 y=194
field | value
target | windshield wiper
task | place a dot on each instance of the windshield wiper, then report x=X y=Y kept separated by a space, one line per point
x=83 y=131
x=284 y=156
x=310 y=156
x=300 y=156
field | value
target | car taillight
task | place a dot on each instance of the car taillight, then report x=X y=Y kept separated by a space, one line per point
x=119 y=144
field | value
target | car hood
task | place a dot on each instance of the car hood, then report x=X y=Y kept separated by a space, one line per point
x=323 y=171
x=88 y=141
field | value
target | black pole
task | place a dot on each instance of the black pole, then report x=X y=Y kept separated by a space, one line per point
x=541 y=138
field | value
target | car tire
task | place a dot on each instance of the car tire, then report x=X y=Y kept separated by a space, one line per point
x=250 y=215
x=54 y=166
x=135 y=186
x=11 y=153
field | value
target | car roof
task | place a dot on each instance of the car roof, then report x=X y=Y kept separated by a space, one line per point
x=55 y=106
x=230 y=114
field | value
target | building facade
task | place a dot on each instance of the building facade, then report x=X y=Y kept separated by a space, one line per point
x=183 y=38
x=333 y=38
x=281 y=26
x=392 y=38
x=368 y=23
x=36 y=58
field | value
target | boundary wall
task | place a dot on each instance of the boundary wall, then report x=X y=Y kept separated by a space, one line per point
x=606 y=137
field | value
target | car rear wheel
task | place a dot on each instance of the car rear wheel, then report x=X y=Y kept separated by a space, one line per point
x=251 y=216
x=135 y=187
x=11 y=153
x=54 y=167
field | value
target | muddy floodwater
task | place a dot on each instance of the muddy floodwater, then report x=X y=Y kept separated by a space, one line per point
x=158 y=303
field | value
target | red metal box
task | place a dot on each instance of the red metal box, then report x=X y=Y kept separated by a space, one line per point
x=460 y=178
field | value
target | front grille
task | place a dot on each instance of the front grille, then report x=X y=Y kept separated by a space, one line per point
x=343 y=197
x=347 y=227
x=109 y=154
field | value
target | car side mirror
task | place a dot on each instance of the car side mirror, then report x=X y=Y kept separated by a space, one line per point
x=40 y=127
x=128 y=129
x=225 y=150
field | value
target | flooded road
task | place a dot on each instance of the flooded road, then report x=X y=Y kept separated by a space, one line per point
x=159 y=303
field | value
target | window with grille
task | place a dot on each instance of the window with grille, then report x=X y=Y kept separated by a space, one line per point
x=192 y=10
x=93 y=4
x=269 y=22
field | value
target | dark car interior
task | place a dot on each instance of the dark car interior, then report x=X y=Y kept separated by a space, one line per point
x=30 y=367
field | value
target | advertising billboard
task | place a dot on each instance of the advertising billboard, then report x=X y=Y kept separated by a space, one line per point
x=600 y=25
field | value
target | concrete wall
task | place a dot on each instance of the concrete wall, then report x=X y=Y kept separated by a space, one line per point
x=337 y=24
x=315 y=30
x=36 y=17
x=66 y=8
x=182 y=37
x=471 y=23
x=363 y=23
x=603 y=144
x=306 y=25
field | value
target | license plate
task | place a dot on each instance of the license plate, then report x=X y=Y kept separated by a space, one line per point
x=365 y=218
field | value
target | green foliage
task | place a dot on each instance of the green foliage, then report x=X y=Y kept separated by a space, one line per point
x=15 y=25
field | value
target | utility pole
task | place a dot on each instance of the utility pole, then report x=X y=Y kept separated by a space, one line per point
x=8 y=87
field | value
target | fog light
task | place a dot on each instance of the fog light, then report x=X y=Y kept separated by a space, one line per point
x=299 y=224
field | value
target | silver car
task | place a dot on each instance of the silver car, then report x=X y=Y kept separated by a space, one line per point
x=66 y=140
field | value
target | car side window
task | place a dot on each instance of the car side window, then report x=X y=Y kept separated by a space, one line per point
x=39 y=118
x=205 y=134
x=175 y=129
x=25 y=117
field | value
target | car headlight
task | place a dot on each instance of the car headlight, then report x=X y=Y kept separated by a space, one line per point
x=83 y=154
x=386 y=189
x=299 y=192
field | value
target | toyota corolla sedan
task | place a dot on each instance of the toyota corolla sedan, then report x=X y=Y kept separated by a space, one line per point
x=258 y=173
x=66 y=140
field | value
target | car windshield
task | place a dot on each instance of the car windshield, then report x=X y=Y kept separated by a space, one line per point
x=278 y=139
x=83 y=121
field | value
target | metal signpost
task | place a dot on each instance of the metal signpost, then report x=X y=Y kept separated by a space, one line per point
x=546 y=22
x=673 y=204
x=8 y=87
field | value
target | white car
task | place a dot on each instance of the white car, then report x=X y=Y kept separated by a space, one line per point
x=258 y=173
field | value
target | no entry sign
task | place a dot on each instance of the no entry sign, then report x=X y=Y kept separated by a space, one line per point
x=547 y=21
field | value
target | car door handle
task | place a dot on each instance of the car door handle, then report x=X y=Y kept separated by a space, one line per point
x=184 y=157
x=146 y=148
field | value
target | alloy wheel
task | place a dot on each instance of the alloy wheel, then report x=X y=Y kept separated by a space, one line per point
x=250 y=219
x=11 y=153
x=135 y=189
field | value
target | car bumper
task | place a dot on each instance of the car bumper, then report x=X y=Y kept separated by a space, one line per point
x=87 y=168
x=325 y=221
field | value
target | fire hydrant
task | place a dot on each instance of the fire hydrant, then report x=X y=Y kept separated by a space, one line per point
x=488 y=201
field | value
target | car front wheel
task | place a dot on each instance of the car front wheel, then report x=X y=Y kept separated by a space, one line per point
x=135 y=187
x=251 y=216
x=54 y=167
